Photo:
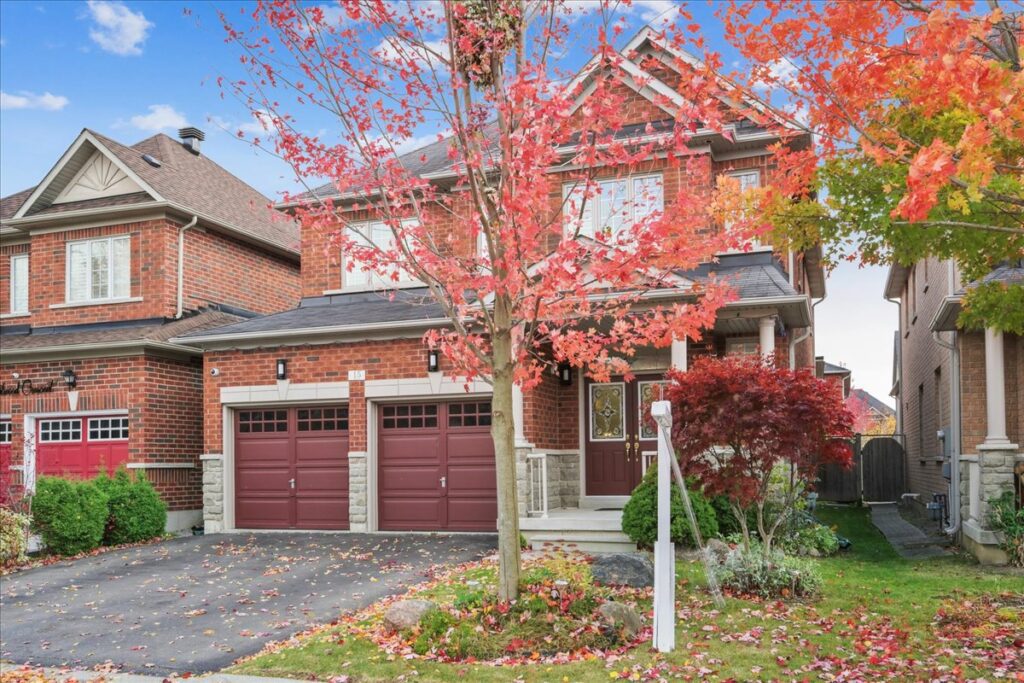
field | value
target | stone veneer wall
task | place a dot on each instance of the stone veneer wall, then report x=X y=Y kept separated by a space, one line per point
x=357 y=491
x=563 y=479
x=213 y=493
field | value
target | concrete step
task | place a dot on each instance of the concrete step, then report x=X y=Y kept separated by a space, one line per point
x=607 y=543
x=608 y=523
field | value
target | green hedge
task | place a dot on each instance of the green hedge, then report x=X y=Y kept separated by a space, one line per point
x=640 y=515
x=71 y=516
x=136 y=512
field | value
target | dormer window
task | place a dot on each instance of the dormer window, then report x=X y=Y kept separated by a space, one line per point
x=617 y=205
x=99 y=270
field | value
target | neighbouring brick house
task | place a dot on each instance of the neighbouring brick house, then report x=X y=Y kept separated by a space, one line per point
x=115 y=252
x=328 y=416
x=960 y=399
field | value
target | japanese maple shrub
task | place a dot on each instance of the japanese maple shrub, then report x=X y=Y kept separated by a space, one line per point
x=756 y=434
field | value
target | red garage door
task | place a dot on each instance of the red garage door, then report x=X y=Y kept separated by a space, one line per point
x=81 y=447
x=291 y=468
x=436 y=467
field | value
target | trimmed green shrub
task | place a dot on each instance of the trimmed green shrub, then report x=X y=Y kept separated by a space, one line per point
x=136 y=512
x=69 y=515
x=774 y=576
x=13 y=536
x=813 y=539
x=640 y=515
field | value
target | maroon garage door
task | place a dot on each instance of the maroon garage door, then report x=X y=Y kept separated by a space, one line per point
x=436 y=467
x=291 y=468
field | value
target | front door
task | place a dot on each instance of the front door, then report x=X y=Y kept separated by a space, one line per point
x=618 y=441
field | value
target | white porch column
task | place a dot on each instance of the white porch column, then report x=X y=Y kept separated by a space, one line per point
x=766 y=327
x=995 y=390
x=517 y=415
x=679 y=354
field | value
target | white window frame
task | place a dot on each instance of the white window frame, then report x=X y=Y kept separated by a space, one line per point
x=122 y=426
x=592 y=209
x=69 y=295
x=6 y=431
x=15 y=284
x=755 y=244
x=370 y=280
x=65 y=426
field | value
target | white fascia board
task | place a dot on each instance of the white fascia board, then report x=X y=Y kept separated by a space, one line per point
x=97 y=349
x=946 y=315
x=83 y=137
x=303 y=334
x=798 y=301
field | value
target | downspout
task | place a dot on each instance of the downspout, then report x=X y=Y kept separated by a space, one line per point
x=181 y=264
x=805 y=335
x=954 y=431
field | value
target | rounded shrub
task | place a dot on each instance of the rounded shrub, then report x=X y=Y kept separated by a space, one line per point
x=136 y=512
x=768 y=576
x=640 y=514
x=13 y=536
x=70 y=516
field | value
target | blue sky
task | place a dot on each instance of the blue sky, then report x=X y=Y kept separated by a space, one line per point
x=131 y=69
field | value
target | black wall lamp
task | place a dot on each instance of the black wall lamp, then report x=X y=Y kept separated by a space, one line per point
x=433 y=360
x=565 y=374
x=282 y=368
x=70 y=379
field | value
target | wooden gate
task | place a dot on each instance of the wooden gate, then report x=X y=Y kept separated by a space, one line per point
x=877 y=474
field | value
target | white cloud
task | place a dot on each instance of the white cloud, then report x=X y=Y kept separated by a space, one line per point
x=395 y=51
x=160 y=117
x=261 y=124
x=30 y=100
x=656 y=10
x=117 y=29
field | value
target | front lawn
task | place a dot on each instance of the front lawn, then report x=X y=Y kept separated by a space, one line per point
x=879 y=616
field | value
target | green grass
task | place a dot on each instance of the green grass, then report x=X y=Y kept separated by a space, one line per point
x=869 y=579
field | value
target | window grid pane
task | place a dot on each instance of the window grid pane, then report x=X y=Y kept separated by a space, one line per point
x=108 y=428
x=262 y=421
x=19 y=283
x=322 y=419
x=409 y=416
x=60 y=430
x=99 y=271
x=78 y=272
x=6 y=431
x=469 y=414
x=120 y=268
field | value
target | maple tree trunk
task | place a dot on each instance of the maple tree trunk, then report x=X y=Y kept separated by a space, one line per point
x=503 y=434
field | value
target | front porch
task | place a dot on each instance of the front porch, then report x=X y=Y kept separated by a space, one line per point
x=583 y=529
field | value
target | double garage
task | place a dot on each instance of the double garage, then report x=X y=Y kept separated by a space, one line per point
x=433 y=467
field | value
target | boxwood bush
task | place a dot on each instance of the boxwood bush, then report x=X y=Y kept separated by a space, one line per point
x=640 y=514
x=70 y=516
x=136 y=512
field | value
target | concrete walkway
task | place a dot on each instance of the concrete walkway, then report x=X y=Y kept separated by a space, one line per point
x=909 y=541
x=85 y=676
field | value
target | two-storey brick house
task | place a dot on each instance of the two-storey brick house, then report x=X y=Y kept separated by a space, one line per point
x=331 y=415
x=115 y=252
x=959 y=399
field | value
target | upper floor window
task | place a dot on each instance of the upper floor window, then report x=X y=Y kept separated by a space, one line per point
x=617 y=205
x=748 y=180
x=99 y=269
x=19 y=283
x=361 y=275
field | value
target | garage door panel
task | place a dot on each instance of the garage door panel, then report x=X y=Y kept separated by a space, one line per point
x=411 y=480
x=412 y=514
x=472 y=514
x=410 y=448
x=275 y=447
x=470 y=445
x=479 y=480
x=262 y=513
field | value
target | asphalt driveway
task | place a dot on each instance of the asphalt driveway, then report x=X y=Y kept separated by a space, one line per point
x=196 y=604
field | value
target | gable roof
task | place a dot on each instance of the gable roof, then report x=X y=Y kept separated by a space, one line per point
x=833 y=369
x=186 y=182
x=873 y=403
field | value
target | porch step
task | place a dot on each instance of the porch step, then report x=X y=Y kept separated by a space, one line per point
x=607 y=543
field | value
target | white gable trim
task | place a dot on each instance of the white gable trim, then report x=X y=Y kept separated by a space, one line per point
x=71 y=191
x=630 y=75
x=83 y=137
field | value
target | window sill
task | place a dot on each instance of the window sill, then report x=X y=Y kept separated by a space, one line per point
x=8 y=316
x=97 y=302
x=373 y=288
x=754 y=249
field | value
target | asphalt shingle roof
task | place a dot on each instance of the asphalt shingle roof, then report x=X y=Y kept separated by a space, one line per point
x=141 y=331
x=873 y=403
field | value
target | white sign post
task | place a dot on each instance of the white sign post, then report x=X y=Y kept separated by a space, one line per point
x=664 y=549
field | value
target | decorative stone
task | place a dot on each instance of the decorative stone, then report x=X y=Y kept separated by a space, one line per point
x=406 y=614
x=620 y=618
x=623 y=569
x=718 y=550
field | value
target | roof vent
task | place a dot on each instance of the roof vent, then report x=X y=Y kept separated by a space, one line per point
x=190 y=138
x=151 y=160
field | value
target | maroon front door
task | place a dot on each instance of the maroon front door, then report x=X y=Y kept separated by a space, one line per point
x=291 y=468
x=436 y=467
x=618 y=441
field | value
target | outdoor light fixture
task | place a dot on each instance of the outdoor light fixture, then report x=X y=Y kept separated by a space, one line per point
x=69 y=378
x=565 y=374
x=433 y=360
x=282 y=368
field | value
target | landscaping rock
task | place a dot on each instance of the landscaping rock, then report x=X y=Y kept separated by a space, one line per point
x=718 y=550
x=620 y=618
x=407 y=613
x=623 y=569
